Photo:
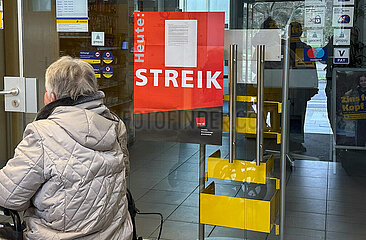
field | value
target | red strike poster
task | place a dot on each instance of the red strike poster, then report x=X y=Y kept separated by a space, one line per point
x=178 y=66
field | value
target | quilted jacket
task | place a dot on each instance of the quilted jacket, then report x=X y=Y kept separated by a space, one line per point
x=69 y=173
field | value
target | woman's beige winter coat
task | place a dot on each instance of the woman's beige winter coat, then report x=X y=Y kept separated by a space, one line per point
x=69 y=174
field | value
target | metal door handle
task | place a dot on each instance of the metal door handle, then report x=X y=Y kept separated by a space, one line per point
x=260 y=101
x=13 y=91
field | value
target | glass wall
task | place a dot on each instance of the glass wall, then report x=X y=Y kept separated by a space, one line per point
x=325 y=169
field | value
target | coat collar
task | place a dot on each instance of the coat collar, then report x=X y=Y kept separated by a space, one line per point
x=47 y=110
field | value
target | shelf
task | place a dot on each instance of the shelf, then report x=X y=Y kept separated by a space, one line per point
x=253 y=99
x=246 y=125
x=235 y=212
x=239 y=170
x=105 y=87
x=118 y=103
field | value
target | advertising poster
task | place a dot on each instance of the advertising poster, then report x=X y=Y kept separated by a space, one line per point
x=178 y=75
x=350 y=113
x=314 y=17
x=342 y=36
x=1 y=15
x=72 y=15
x=342 y=17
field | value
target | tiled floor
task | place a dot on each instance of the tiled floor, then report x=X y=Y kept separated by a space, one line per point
x=322 y=201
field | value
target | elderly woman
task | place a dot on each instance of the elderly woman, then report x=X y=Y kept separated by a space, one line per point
x=69 y=171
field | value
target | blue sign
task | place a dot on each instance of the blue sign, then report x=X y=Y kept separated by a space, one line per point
x=107 y=57
x=92 y=57
x=341 y=56
x=96 y=70
x=107 y=71
x=315 y=54
x=344 y=19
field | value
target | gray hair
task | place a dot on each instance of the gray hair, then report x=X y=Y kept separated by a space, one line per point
x=70 y=77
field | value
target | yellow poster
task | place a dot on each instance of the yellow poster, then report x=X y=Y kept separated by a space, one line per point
x=1 y=21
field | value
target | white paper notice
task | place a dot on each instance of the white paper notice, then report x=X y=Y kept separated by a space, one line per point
x=71 y=8
x=181 y=43
x=315 y=37
x=72 y=15
x=315 y=2
x=342 y=37
x=314 y=16
x=343 y=2
x=343 y=17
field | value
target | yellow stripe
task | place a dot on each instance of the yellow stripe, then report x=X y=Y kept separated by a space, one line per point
x=72 y=21
x=91 y=60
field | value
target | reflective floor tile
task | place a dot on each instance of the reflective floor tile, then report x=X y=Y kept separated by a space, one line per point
x=188 y=167
x=297 y=192
x=343 y=236
x=169 y=197
x=145 y=226
x=176 y=185
x=347 y=196
x=342 y=224
x=237 y=233
x=174 y=230
x=192 y=200
x=305 y=220
x=165 y=209
x=307 y=205
x=137 y=193
x=347 y=210
x=309 y=172
x=185 y=214
x=311 y=164
x=142 y=180
x=314 y=182
x=184 y=175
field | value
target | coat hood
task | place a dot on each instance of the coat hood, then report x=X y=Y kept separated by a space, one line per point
x=86 y=120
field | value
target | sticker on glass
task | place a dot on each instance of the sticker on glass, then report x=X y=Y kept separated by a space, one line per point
x=316 y=54
x=107 y=71
x=96 y=70
x=315 y=37
x=341 y=56
x=315 y=2
x=342 y=37
x=342 y=17
x=97 y=39
x=314 y=16
x=343 y=2
x=92 y=57
x=107 y=57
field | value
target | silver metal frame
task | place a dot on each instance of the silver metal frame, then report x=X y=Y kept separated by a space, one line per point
x=20 y=37
x=233 y=77
x=284 y=129
x=260 y=101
